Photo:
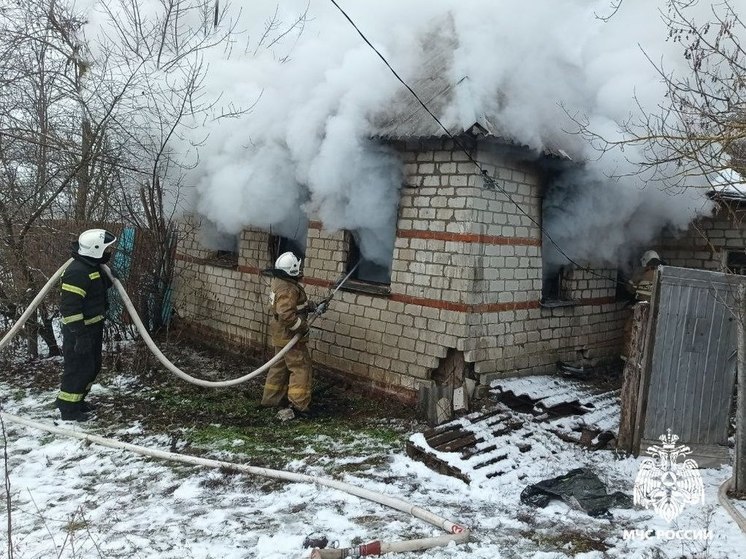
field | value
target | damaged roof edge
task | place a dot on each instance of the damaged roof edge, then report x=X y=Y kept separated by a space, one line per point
x=475 y=132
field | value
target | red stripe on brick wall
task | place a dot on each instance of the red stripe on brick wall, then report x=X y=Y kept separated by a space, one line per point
x=209 y=262
x=464 y=307
x=249 y=270
x=317 y=281
x=434 y=303
x=315 y=225
x=466 y=237
x=187 y=258
x=500 y=307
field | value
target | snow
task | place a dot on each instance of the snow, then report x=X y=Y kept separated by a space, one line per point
x=730 y=184
x=73 y=499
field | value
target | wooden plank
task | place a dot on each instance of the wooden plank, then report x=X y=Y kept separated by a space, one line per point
x=646 y=361
x=448 y=436
x=631 y=383
x=452 y=446
x=490 y=461
x=434 y=463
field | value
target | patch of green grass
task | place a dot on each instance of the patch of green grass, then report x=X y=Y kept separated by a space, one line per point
x=277 y=443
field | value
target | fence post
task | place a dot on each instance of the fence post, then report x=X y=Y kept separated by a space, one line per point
x=739 y=467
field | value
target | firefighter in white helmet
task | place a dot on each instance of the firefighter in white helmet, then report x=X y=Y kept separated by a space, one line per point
x=641 y=287
x=641 y=284
x=83 y=308
x=289 y=381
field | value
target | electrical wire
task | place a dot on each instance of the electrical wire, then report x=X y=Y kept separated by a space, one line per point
x=488 y=179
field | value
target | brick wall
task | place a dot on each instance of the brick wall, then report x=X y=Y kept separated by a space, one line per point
x=466 y=275
x=223 y=299
x=707 y=241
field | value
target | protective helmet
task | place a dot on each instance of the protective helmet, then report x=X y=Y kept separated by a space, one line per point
x=288 y=263
x=649 y=256
x=93 y=243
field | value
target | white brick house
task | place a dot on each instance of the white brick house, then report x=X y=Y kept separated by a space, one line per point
x=714 y=242
x=464 y=294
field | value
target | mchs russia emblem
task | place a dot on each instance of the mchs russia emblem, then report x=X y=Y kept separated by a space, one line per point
x=664 y=483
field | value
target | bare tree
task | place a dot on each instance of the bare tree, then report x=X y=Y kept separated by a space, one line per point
x=105 y=134
x=699 y=129
x=39 y=148
x=6 y=480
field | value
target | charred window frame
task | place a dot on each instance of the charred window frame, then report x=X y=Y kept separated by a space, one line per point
x=624 y=292
x=735 y=262
x=279 y=245
x=227 y=255
x=293 y=240
x=554 y=288
x=369 y=276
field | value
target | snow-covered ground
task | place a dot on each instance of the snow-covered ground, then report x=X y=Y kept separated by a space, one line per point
x=73 y=499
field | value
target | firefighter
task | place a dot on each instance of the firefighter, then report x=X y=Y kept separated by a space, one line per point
x=641 y=284
x=289 y=380
x=83 y=308
x=641 y=287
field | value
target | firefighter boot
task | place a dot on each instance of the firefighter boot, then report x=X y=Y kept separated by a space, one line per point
x=71 y=411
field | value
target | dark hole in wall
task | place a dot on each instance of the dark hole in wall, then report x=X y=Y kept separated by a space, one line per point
x=452 y=369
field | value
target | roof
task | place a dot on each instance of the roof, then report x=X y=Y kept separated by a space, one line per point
x=728 y=185
x=406 y=119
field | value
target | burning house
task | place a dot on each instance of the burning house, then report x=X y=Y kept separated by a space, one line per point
x=716 y=241
x=455 y=280
x=462 y=291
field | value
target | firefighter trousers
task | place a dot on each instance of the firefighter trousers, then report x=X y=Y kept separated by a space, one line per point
x=80 y=369
x=290 y=378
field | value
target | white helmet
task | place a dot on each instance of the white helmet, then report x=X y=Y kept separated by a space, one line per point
x=288 y=263
x=94 y=242
x=648 y=256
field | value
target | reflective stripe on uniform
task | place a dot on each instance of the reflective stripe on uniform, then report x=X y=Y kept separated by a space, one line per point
x=297 y=324
x=298 y=391
x=93 y=320
x=301 y=307
x=644 y=289
x=271 y=386
x=94 y=275
x=73 y=289
x=72 y=318
x=70 y=396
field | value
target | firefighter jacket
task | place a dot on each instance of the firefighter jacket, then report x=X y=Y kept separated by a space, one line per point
x=642 y=284
x=290 y=308
x=83 y=297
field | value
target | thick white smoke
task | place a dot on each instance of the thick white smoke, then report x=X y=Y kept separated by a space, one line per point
x=305 y=145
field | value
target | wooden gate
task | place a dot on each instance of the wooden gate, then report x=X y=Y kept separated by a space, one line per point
x=688 y=364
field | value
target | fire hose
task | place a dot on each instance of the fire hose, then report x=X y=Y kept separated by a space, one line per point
x=455 y=532
x=146 y=336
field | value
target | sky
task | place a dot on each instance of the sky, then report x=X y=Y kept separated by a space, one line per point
x=311 y=92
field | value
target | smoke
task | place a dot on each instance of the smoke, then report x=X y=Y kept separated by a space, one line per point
x=304 y=148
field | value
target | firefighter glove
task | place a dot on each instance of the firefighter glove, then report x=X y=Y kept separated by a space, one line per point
x=322 y=307
x=303 y=329
x=83 y=343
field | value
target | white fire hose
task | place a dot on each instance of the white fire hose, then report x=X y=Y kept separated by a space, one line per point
x=144 y=333
x=455 y=532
